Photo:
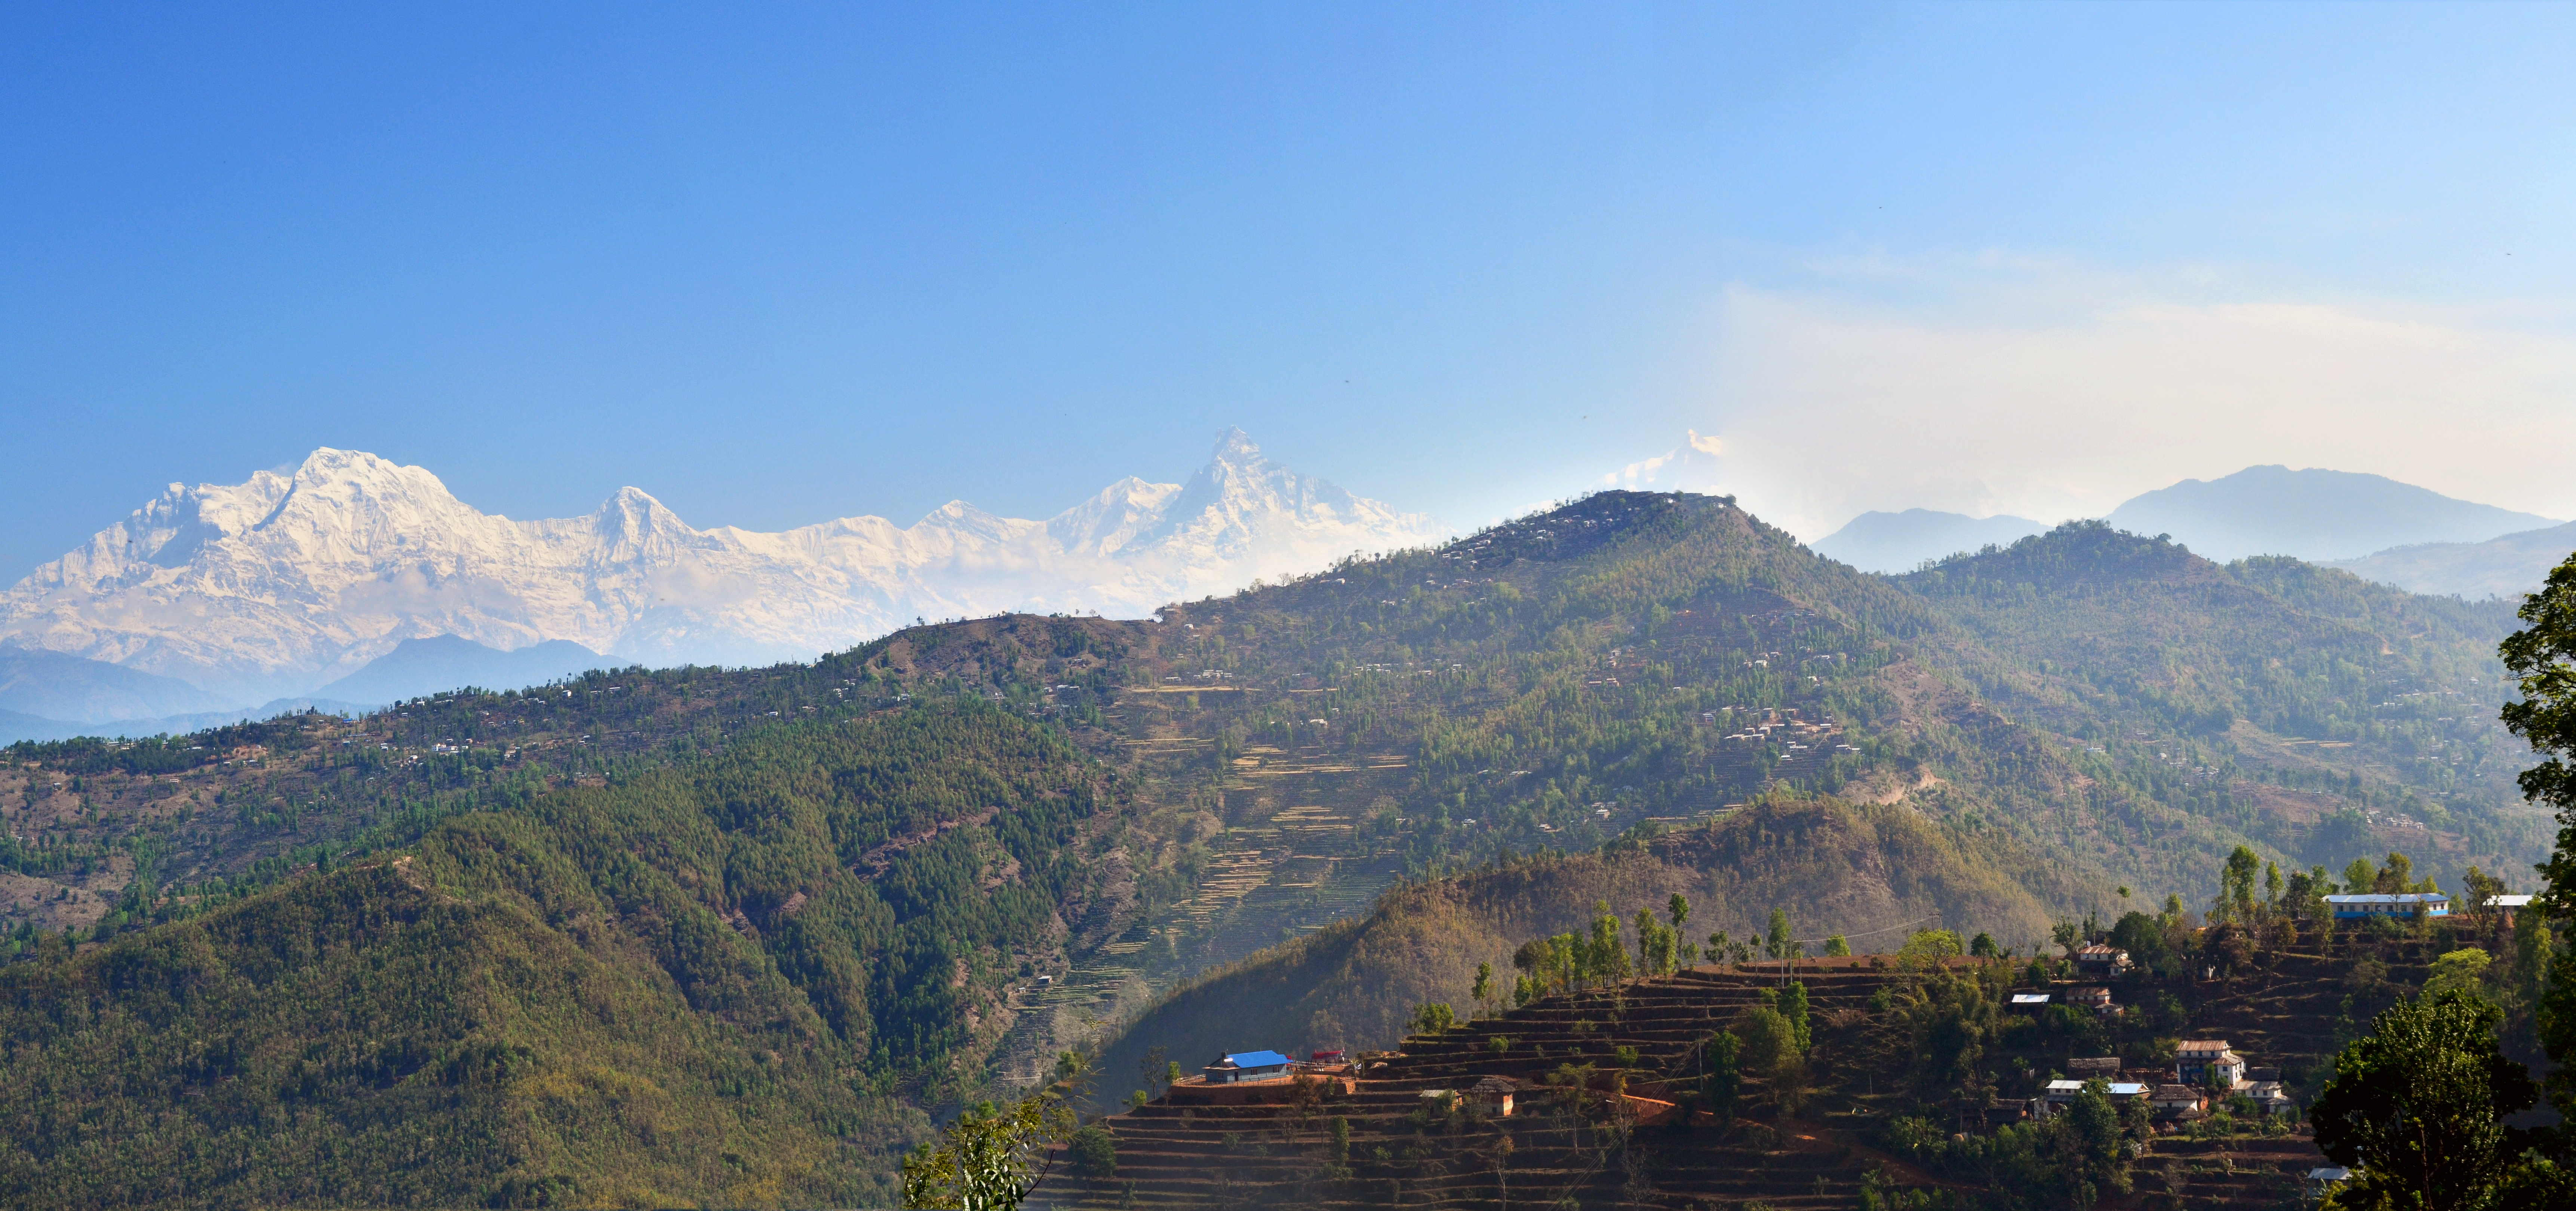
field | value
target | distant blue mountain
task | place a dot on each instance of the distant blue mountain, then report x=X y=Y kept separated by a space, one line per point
x=2506 y=566
x=57 y=686
x=1900 y=542
x=2313 y=514
x=418 y=667
x=16 y=726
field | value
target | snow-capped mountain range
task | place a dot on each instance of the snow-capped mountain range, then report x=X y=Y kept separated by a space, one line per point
x=290 y=581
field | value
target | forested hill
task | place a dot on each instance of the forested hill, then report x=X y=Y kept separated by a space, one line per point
x=722 y=978
x=2112 y=706
x=517 y=946
x=2311 y=710
x=1355 y=983
x=2113 y=697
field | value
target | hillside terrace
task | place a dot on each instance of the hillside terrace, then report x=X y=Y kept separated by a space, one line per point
x=1613 y=1139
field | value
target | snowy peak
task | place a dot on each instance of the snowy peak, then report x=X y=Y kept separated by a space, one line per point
x=956 y=528
x=1108 y=522
x=290 y=579
x=632 y=521
x=1234 y=448
x=1240 y=500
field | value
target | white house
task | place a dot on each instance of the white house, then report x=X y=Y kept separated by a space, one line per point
x=2200 y=1061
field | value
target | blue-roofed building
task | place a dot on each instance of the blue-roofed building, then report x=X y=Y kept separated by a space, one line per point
x=2382 y=904
x=1246 y=1066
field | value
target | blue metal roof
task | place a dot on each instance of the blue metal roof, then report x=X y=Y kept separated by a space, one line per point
x=1257 y=1059
x=2412 y=897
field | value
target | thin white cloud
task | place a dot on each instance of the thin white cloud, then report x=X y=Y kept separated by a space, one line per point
x=1640 y=473
x=2059 y=395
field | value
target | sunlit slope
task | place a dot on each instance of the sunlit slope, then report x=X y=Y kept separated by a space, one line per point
x=2105 y=708
x=2079 y=688
x=2269 y=694
x=473 y=1026
x=691 y=985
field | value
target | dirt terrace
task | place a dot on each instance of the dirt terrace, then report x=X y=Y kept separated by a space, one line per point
x=1558 y=1146
x=1563 y=1148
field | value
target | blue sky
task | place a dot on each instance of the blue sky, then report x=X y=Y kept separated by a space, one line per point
x=777 y=264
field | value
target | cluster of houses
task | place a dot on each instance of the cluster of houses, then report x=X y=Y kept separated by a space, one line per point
x=2204 y=1070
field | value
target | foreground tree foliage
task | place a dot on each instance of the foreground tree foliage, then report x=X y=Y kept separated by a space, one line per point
x=990 y=1159
x=2543 y=657
x=2418 y=1107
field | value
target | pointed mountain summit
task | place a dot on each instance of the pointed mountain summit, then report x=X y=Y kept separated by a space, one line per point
x=1241 y=501
x=292 y=580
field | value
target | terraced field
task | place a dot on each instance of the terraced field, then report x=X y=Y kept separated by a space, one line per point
x=1289 y=860
x=1415 y=1140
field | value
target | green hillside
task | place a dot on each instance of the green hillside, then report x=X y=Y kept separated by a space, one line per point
x=369 y=1038
x=726 y=978
x=1868 y=870
x=2304 y=708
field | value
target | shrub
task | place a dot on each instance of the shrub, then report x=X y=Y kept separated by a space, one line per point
x=1095 y=1153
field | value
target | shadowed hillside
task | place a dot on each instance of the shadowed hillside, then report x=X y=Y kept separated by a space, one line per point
x=1842 y=868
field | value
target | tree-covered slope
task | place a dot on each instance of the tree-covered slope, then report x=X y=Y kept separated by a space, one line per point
x=2112 y=706
x=706 y=982
x=372 y=1037
x=1873 y=871
x=2303 y=707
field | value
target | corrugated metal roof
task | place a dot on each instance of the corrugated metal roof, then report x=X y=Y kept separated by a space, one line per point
x=2412 y=897
x=1256 y=1059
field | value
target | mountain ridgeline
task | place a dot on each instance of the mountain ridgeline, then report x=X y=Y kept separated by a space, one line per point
x=733 y=935
x=287 y=582
x=2311 y=513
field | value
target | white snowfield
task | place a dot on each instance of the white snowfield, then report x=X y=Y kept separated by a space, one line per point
x=286 y=583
